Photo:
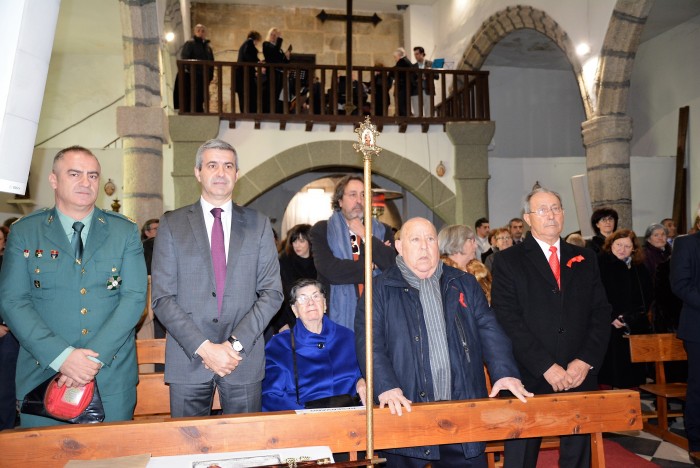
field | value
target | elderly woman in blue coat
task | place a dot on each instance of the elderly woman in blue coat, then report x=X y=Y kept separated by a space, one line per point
x=326 y=362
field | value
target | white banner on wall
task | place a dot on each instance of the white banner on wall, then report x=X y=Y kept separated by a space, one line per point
x=28 y=28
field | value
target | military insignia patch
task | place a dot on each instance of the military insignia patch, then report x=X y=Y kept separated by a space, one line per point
x=113 y=282
x=26 y=253
x=38 y=253
x=54 y=254
x=37 y=284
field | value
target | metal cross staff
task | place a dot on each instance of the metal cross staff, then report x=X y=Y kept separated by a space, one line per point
x=367 y=136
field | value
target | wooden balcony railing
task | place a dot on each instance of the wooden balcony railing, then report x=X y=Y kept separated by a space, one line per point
x=317 y=93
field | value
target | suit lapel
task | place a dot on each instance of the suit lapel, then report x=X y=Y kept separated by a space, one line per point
x=97 y=235
x=567 y=272
x=235 y=242
x=54 y=232
x=534 y=254
x=201 y=238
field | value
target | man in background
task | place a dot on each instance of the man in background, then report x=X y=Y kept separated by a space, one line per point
x=483 y=246
x=670 y=226
x=426 y=86
x=196 y=48
x=338 y=249
x=517 y=230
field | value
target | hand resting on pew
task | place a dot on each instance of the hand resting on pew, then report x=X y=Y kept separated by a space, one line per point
x=513 y=385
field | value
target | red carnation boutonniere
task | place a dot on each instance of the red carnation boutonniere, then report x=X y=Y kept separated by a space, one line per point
x=576 y=259
x=462 y=301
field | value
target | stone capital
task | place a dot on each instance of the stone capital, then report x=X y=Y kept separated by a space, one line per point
x=606 y=129
x=199 y=128
x=470 y=133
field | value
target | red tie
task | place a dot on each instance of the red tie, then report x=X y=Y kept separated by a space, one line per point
x=554 y=264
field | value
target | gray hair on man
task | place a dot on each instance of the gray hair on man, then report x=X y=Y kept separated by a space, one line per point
x=528 y=197
x=214 y=144
x=400 y=52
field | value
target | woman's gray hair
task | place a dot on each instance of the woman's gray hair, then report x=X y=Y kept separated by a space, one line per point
x=654 y=227
x=302 y=283
x=451 y=238
x=528 y=197
x=214 y=144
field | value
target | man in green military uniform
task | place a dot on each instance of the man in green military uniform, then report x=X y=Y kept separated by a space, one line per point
x=72 y=289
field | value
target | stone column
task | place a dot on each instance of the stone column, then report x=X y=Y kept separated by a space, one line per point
x=141 y=123
x=471 y=140
x=607 y=142
x=187 y=133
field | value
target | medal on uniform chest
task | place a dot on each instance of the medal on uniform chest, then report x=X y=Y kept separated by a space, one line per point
x=38 y=253
x=26 y=253
x=54 y=254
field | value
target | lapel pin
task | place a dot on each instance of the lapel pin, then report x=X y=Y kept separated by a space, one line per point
x=26 y=253
x=50 y=220
x=54 y=254
x=38 y=253
x=101 y=220
x=37 y=284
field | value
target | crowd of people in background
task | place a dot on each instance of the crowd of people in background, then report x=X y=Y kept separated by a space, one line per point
x=305 y=295
x=413 y=90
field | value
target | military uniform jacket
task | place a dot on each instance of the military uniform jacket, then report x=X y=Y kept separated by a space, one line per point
x=50 y=302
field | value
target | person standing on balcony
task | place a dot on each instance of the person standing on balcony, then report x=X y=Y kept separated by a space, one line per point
x=405 y=83
x=272 y=50
x=248 y=53
x=427 y=87
x=196 y=48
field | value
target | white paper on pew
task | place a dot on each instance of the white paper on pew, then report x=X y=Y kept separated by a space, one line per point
x=329 y=410
x=186 y=461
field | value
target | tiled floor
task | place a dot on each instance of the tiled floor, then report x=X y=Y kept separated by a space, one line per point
x=652 y=448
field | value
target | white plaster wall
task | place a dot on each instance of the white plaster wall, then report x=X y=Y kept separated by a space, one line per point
x=665 y=78
x=458 y=20
x=537 y=112
x=513 y=178
x=419 y=30
x=77 y=86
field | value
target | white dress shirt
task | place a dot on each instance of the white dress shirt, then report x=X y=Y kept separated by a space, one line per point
x=545 y=248
x=226 y=216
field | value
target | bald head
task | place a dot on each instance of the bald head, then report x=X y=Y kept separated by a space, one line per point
x=419 y=247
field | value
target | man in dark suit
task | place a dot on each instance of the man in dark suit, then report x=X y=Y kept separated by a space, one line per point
x=197 y=48
x=215 y=286
x=248 y=53
x=72 y=289
x=685 y=283
x=548 y=297
x=406 y=84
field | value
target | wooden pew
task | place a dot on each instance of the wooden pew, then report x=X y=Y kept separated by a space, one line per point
x=152 y=393
x=428 y=423
x=660 y=348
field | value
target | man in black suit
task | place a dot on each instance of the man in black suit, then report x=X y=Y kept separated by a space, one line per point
x=248 y=53
x=548 y=297
x=685 y=283
x=406 y=83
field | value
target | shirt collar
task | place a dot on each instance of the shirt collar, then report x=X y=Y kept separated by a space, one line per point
x=207 y=207
x=545 y=246
x=67 y=222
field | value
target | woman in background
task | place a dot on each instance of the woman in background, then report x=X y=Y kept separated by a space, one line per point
x=656 y=249
x=296 y=262
x=629 y=291
x=457 y=245
x=604 y=223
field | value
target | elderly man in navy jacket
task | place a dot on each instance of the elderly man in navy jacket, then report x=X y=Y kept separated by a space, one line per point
x=433 y=330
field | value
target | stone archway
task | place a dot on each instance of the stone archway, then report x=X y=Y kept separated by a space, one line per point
x=499 y=25
x=326 y=154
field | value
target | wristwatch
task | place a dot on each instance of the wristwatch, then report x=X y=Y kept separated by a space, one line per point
x=235 y=344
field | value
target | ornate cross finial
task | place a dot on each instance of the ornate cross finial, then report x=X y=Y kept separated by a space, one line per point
x=367 y=135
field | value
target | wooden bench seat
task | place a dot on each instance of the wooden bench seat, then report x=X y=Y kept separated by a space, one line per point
x=660 y=348
x=344 y=431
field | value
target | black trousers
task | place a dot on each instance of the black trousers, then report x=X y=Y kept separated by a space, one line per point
x=691 y=413
x=9 y=349
x=451 y=456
